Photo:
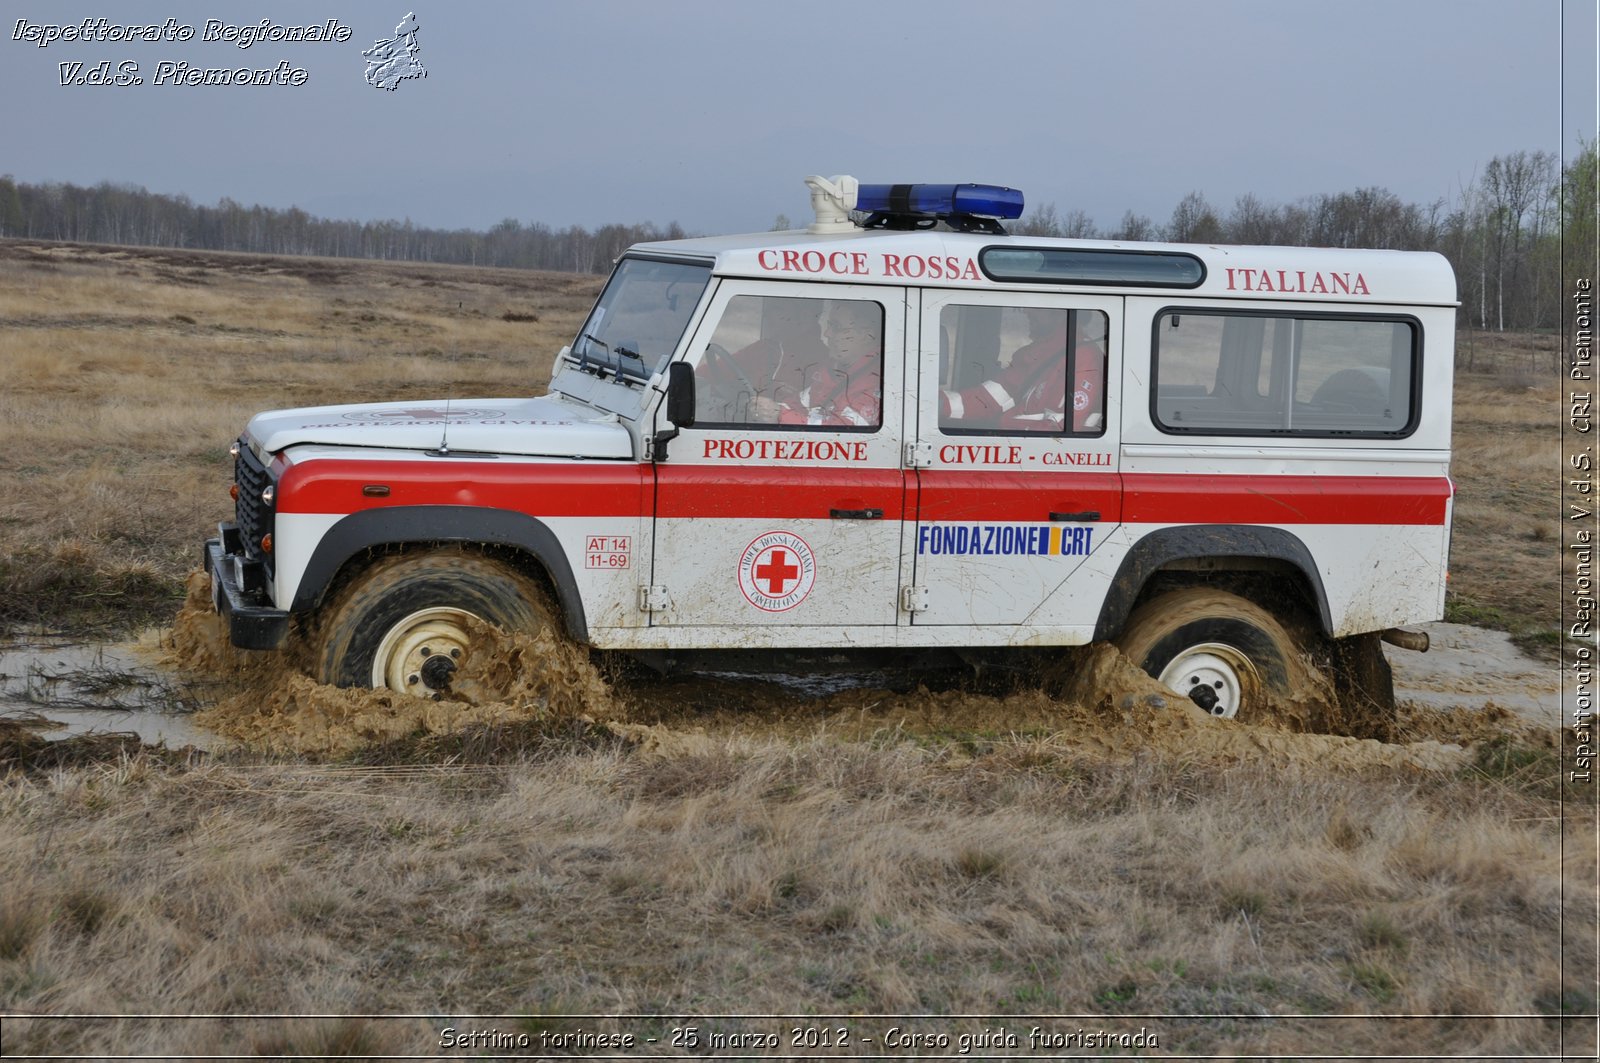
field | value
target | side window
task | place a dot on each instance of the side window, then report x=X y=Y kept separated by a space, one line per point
x=788 y=363
x=1258 y=374
x=1014 y=370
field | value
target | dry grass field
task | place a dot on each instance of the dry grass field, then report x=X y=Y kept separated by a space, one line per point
x=1505 y=550
x=992 y=852
x=128 y=373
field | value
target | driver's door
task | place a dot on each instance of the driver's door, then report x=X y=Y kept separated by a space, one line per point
x=782 y=505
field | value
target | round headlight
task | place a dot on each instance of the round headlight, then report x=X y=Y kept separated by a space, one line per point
x=269 y=494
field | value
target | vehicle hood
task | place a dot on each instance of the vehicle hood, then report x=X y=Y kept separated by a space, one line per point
x=545 y=426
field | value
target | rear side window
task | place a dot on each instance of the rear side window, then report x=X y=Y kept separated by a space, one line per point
x=1238 y=373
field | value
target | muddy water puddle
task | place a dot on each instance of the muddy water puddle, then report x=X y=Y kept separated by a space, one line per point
x=64 y=689
x=1469 y=668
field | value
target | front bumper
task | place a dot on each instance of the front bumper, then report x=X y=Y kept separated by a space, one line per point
x=239 y=594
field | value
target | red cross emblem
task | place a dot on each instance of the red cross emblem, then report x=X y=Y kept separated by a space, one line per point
x=776 y=571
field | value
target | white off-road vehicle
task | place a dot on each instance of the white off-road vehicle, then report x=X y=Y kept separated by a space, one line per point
x=896 y=430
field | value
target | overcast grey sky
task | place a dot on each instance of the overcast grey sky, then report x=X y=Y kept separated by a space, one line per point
x=711 y=113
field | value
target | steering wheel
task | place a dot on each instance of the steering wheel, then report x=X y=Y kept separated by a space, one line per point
x=716 y=352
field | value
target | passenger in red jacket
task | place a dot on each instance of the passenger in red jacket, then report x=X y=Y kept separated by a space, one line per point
x=1030 y=394
x=1089 y=389
x=847 y=391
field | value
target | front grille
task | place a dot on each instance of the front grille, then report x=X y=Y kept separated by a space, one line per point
x=254 y=516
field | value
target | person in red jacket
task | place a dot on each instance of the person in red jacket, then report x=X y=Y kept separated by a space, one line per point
x=777 y=365
x=1089 y=387
x=1030 y=394
x=847 y=391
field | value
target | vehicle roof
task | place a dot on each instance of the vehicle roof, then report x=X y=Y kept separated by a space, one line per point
x=1232 y=271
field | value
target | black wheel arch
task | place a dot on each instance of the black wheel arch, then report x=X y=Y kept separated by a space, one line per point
x=1211 y=548
x=402 y=526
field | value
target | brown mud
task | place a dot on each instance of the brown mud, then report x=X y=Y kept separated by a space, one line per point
x=1097 y=704
x=275 y=707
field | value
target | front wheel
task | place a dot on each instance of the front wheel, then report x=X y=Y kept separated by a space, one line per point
x=406 y=623
x=1229 y=656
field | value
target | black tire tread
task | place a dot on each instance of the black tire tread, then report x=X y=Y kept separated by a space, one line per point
x=1159 y=629
x=354 y=622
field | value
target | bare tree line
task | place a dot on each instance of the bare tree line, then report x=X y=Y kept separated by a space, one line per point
x=125 y=214
x=1503 y=233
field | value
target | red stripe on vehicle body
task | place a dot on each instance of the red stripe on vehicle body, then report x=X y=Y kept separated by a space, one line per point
x=1027 y=497
x=621 y=489
x=1152 y=498
x=779 y=493
x=1149 y=498
x=767 y=492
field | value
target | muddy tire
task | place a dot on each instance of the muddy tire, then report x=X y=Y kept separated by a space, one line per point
x=403 y=623
x=1226 y=654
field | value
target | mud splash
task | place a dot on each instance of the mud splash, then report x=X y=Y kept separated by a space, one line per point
x=1100 y=705
x=1108 y=706
x=1096 y=704
x=273 y=706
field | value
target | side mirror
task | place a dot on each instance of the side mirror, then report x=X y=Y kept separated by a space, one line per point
x=680 y=394
x=679 y=407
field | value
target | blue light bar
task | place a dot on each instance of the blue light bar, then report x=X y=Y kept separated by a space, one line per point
x=984 y=201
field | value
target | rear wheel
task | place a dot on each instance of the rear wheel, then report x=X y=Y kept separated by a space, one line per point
x=405 y=623
x=1226 y=654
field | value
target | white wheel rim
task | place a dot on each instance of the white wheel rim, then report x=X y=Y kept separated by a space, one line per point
x=1222 y=669
x=407 y=647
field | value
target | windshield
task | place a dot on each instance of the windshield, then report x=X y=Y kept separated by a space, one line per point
x=640 y=317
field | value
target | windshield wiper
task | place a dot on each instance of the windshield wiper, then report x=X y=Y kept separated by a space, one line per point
x=623 y=352
x=584 y=364
x=600 y=368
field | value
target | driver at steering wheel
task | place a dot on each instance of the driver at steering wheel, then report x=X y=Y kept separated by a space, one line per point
x=777 y=366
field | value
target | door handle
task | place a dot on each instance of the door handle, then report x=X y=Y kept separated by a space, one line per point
x=856 y=514
x=1089 y=514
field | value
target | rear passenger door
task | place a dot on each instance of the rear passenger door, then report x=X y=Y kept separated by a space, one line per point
x=1015 y=414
